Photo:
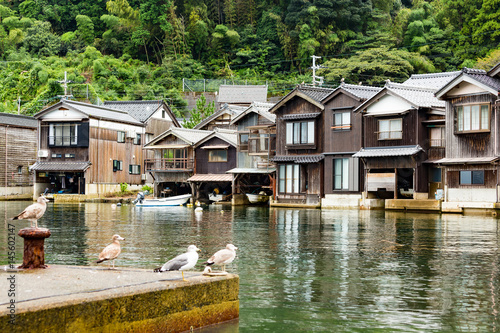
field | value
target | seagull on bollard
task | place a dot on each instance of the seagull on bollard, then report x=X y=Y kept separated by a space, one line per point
x=34 y=212
x=182 y=262
x=111 y=251
x=223 y=257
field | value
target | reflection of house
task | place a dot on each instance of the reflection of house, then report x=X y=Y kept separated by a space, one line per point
x=396 y=139
x=255 y=173
x=472 y=143
x=242 y=95
x=215 y=155
x=87 y=149
x=18 y=148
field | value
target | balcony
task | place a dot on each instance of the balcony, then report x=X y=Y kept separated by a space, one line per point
x=260 y=145
x=437 y=149
x=169 y=164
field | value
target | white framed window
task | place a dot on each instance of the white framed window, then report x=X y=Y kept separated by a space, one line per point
x=300 y=133
x=137 y=139
x=472 y=118
x=341 y=174
x=390 y=129
x=437 y=136
x=63 y=134
x=289 y=178
x=120 y=136
x=341 y=121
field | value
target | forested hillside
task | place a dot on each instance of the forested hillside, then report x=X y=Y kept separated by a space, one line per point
x=141 y=49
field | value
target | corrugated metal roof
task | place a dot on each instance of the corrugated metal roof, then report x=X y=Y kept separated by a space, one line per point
x=252 y=170
x=18 y=120
x=467 y=160
x=60 y=166
x=299 y=159
x=388 y=151
x=242 y=93
x=301 y=116
x=211 y=178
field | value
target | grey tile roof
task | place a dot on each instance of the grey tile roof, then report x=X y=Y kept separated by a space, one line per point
x=242 y=93
x=18 y=120
x=191 y=136
x=295 y=116
x=299 y=159
x=316 y=93
x=232 y=110
x=227 y=135
x=140 y=110
x=60 y=166
x=388 y=151
x=489 y=81
x=259 y=108
x=360 y=91
x=432 y=81
x=419 y=96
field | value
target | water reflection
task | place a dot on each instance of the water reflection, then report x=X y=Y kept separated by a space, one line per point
x=307 y=270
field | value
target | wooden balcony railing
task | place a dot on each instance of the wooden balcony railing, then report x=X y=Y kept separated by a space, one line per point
x=159 y=164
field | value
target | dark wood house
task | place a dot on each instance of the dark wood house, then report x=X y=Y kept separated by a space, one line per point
x=472 y=141
x=221 y=118
x=87 y=149
x=18 y=151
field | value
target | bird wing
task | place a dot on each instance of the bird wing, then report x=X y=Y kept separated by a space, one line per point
x=222 y=256
x=110 y=252
x=176 y=263
x=34 y=211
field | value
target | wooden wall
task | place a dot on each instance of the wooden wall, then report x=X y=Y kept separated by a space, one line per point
x=18 y=147
x=205 y=167
x=409 y=131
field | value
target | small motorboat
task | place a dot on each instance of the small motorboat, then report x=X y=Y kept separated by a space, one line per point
x=175 y=200
x=259 y=198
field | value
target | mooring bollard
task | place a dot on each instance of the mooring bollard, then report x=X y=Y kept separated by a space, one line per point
x=34 y=239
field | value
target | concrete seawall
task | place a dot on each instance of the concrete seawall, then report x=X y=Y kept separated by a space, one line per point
x=95 y=299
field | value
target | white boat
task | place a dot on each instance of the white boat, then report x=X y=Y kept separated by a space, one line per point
x=257 y=198
x=176 y=200
x=215 y=197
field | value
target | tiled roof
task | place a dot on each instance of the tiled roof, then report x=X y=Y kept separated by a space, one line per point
x=18 y=120
x=60 y=166
x=232 y=110
x=227 y=135
x=296 y=116
x=388 y=151
x=299 y=159
x=431 y=81
x=419 y=96
x=211 y=177
x=242 y=93
x=190 y=135
x=489 y=81
x=360 y=91
x=140 y=110
x=259 y=108
x=316 y=93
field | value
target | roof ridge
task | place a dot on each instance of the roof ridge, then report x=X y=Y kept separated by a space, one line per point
x=94 y=106
x=473 y=71
x=390 y=84
x=439 y=74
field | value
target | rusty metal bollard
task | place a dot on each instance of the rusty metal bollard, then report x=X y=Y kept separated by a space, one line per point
x=34 y=239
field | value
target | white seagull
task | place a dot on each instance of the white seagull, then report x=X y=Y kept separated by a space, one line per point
x=111 y=251
x=182 y=262
x=33 y=212
x=223 y=257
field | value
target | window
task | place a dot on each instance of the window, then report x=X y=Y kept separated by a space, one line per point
x=390 y=129
x=163 y=114
x=341 y=174
x=137 y=139
x=437 y=135
x=289 y=178
x=472 y=177
x=300 y=133
x=56 y=155
x=69 y=155
x=134 y=169
x=243 y=141
x=20 y=170
x=341 y=121
x=149 y=137
x=473 y=118
x=118 y=166
x=121 y=136
x=63 y=134
x=217 y=155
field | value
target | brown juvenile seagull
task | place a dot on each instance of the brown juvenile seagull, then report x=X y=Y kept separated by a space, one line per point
x=223 y=257
x=111 y=251
x=34 y=212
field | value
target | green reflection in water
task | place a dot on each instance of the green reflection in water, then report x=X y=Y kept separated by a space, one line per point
x=306 y=270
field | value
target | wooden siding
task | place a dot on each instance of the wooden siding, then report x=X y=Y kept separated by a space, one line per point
x=203 y=166
x=453 y=179
x=157 y=126
x=18 y=147
x=409 y=136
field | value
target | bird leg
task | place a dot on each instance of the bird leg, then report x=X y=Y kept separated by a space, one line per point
x=36 y=224
x=223 y=267
x=183 y=279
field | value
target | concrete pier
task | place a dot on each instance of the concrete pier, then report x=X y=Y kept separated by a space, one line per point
x=96 y=299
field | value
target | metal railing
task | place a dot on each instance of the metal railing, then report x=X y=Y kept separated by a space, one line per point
x=160 y=164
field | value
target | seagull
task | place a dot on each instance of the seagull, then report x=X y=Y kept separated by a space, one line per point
x=34 y=212
x=111 y=251
x=223 y=257
x=182 y=262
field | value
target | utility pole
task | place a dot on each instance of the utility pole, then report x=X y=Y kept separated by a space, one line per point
x=65 y=85
x=19 y=105
x=316 y=79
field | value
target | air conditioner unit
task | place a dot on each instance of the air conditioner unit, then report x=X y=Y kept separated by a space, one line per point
x=143 y=176
x=131 y=134
x=43 y=153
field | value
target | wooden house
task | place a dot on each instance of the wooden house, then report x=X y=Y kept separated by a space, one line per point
x=215 y=154
x=396 y=140
x=174 y=160
x=18 y=149
x=87 y=149
x=299 y=147
x=343 y=137
x=254 y=172
x=472 y=141
x=221 y=118
x=242 y=95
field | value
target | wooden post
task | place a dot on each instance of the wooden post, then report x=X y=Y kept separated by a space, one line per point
x=34 y=239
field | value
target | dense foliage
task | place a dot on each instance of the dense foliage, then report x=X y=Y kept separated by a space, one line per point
x=141 y=49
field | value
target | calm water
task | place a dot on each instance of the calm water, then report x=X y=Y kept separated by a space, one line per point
x=307 y=270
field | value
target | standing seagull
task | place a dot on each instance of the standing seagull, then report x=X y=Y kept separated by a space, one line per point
x=111 y=251
x=182 y=262
x=223 y=257
x=34 y=212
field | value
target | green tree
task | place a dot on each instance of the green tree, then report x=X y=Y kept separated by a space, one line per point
x=85 y=29
x=41 y=41
x=200 y=112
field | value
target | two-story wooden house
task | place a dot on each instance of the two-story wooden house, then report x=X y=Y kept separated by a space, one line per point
x=255 y=173
x=18 y=149
x=471 y=163
x=87 y=149
x=221 y=118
